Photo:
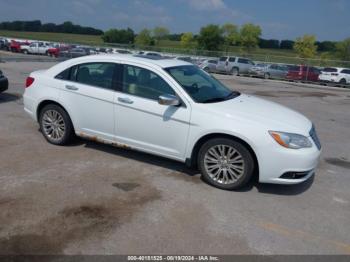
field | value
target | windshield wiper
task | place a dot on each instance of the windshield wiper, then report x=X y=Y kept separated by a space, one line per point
x=220 y=99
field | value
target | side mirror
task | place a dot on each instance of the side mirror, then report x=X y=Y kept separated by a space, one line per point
x=169 y=100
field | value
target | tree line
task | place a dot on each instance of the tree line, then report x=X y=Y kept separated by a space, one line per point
x=37 y=26
x=210 y=37
x=219 y=38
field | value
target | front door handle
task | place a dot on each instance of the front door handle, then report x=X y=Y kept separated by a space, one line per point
x=70 y=87
x=125 y=100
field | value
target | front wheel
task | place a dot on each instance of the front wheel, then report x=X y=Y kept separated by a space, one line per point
x=234 y=71
x=267 y=76
x=225 y=163
x=55 y=125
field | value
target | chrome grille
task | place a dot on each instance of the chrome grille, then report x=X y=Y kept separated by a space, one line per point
x=314 y=137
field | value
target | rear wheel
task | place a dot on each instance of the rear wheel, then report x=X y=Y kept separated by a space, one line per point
x=225 y=163
x=25 y=51
x=55 y=125
x=342 y=81
x=206 y=69
x=267 y=76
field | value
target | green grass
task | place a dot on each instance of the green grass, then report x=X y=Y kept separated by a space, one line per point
x=55 y=37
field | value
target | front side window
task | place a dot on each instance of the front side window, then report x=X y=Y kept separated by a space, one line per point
x=144 y=83
x=223 y=59
x=202 y=87
x=345 y=71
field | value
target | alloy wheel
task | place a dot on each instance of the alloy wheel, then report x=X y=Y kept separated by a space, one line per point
x=224 y=164
x=53 y=125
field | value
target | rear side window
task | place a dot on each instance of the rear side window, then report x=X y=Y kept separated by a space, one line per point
x=96 y=74
x=224 y=58
x=243 y=61
x=232 y=59
x=64 y=75
x=212 y=61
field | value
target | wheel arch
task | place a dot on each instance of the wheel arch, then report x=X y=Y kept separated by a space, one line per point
x=45 y=102
x=192 y=161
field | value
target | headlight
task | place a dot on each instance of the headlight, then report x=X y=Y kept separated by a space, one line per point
x=289 y=140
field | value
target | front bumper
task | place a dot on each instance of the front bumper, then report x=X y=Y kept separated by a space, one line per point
x=4 y=84
x=277 y=166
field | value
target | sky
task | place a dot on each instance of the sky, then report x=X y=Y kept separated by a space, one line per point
x=279 y=19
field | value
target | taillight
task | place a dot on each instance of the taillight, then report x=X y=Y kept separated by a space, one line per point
x=29 y=81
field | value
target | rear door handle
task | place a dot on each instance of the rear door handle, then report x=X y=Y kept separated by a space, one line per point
x=70 y=87
x=125 y=100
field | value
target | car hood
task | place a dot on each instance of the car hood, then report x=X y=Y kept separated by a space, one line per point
x=268 y=114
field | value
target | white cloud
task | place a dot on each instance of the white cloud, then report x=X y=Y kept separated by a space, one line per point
x=207 y=5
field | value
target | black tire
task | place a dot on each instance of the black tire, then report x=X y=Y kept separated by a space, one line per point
x=68 y=131
x=234 y=71
x=247 y=157
x=266 y=76
x=25 y=51
x=206 y=69
x=342 y=81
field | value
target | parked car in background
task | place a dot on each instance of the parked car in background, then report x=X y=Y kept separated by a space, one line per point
x=234 y=65
x=335 y=75
x=121 y=51
x=4 y=44
x=153 y=54
x=303 y=73
x=4 y=83
x=74 y=52
x=209 y=65
x=53 y=51
x=38 y=48
x=186 y=59
x=173 y=109
x=15 y=46
x=275 y=71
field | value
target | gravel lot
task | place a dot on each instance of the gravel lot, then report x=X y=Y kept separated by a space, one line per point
x=90 y=198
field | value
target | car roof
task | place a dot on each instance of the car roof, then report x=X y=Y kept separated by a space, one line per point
x=151 y=60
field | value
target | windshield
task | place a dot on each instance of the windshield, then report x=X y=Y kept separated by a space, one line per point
x=202 y=87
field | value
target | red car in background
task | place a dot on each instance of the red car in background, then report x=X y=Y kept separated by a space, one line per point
x=55 y=51
x=15 y=46
x=303 y=73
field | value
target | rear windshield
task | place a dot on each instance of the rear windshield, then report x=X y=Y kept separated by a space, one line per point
x=330 y=69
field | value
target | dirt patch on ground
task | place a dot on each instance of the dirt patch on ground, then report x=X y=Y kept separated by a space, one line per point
x=342 y=162
x=126 y=186
x=75 y=223
x=187 y=176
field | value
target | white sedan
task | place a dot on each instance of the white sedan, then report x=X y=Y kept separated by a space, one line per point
x=173 y=109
